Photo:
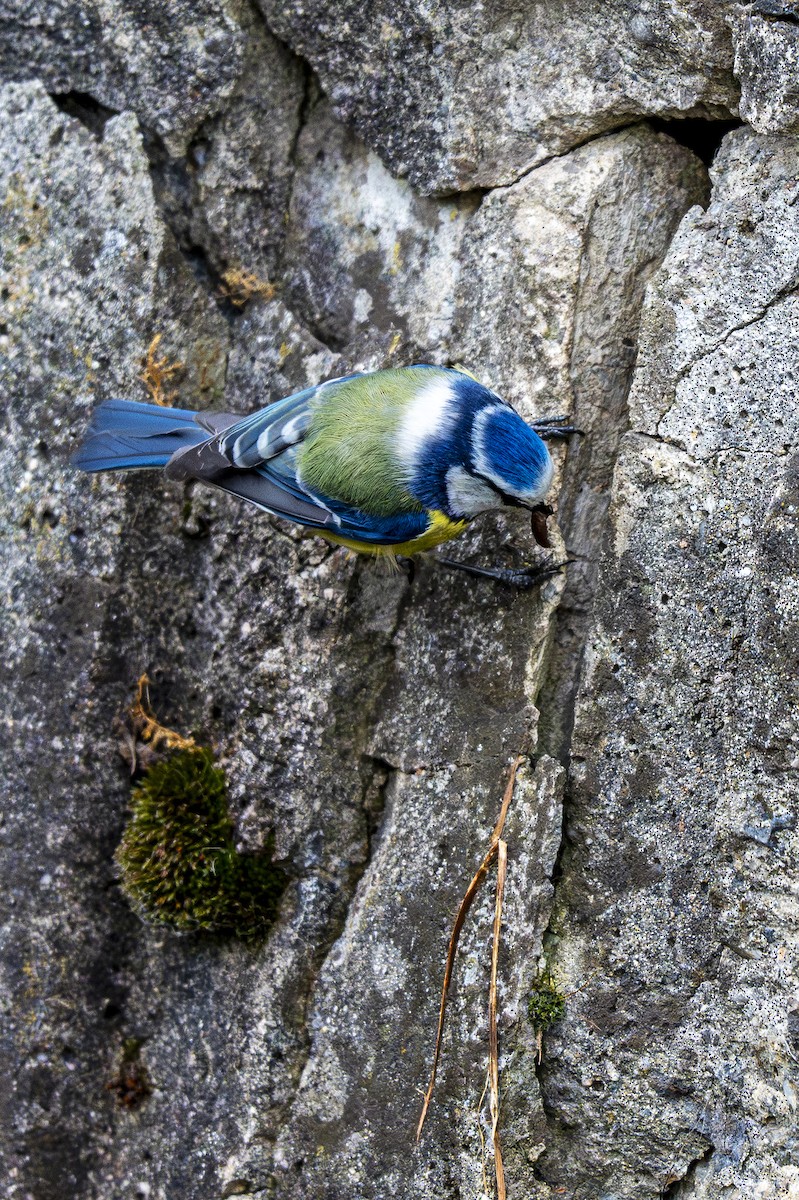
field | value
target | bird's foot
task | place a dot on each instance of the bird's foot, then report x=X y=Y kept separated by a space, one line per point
x=549 y=428
x=520 y=577
x=407 y=566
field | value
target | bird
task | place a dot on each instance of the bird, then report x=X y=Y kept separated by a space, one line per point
x=390 y=462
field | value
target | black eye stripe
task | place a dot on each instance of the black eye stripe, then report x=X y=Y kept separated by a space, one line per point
x=504 y=497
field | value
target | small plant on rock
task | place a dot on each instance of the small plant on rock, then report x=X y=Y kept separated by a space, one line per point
x=546 y=1004
x=177 y=858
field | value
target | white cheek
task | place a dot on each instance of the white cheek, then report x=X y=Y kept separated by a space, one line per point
x=467 y=495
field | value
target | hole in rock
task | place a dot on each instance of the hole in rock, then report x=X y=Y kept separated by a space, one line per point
x=701 y=136
x=84 y=108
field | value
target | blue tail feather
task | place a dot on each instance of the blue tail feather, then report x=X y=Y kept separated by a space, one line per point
x=125 y=435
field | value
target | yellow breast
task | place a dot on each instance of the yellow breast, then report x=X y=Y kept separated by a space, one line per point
x=439 y=529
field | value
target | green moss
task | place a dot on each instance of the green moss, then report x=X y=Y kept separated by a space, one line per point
x=177 y=859
x=546 y=1004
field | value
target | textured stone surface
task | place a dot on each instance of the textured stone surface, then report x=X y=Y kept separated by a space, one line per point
x=676 y=908
x=102 y=580
x=369 y=722
x=363 y=252
x=173 y=65
x=458 y=96
x=458 y=703
x=242 y=161
x=551 y=284
x=767 y=64
x=88 y=277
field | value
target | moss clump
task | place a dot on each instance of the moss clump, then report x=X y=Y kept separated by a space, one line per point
x=546 y=1004
x=178 y=862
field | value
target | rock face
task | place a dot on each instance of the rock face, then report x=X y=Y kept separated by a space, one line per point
x=369 y=722
x=468 y=95
x=175 y=64
x=676 y=899
x=766 y=61
x=363 y=251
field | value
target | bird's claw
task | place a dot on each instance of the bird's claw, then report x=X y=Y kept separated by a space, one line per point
x=549 y=428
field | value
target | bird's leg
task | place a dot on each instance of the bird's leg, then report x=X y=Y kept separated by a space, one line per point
x=520 y=577
x=549 y=428
x=408 y=566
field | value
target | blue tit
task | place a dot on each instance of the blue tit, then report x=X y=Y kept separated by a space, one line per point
x=392 y=461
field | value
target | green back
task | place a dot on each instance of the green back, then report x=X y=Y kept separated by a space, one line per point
x=349 y=449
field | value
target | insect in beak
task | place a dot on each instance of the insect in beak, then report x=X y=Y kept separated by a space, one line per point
x=538 y=524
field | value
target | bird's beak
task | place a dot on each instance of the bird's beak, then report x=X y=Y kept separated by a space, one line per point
x=538 y=524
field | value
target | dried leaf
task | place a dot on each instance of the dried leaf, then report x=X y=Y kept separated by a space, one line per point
x=241 y=286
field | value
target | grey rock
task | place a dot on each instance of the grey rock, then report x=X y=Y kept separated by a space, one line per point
x=367 y=722
x=457 y=96
x=273 y=356
x=89 y=276
x=674 y=909
x=242 y=161
x=220 y=101
x=174 y=66
x=767 y=64
x=363 y=251
x=458 y=704
x=103 y=579
x=547 y=309
x=359 y=1096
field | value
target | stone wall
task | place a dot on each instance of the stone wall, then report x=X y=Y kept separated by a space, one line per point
x=523 y=189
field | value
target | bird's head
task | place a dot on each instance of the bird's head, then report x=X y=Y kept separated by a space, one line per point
x=465 y=450
x=508 y=464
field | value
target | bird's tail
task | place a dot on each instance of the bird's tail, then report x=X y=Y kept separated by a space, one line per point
x=125 y=435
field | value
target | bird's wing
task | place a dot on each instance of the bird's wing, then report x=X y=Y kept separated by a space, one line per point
x=255 y=458
x=264 y=434
x=274 y=488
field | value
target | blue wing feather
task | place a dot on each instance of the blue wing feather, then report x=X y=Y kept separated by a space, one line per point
x=267 y=442
x=265 y=434
x=254 y=458
x=381 y=531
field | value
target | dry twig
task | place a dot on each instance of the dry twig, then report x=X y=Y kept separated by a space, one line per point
x=493 y=1037
x=465 y=905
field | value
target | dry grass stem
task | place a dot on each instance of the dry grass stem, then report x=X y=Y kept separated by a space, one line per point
x=156 y=373
x=482 y=1138
x=147 y=726
x=463 y=909
x=493 y=1036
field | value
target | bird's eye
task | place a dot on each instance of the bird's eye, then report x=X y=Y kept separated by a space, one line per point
x=511 y=501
